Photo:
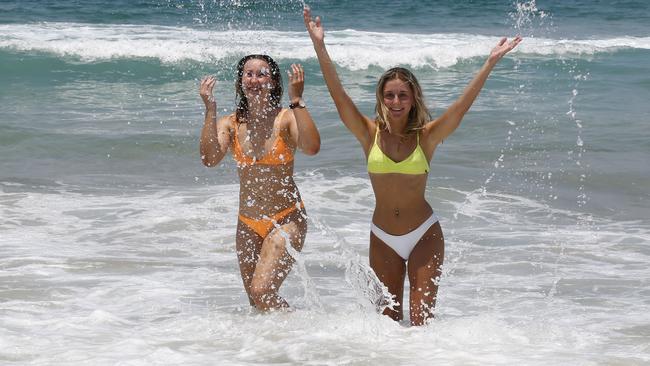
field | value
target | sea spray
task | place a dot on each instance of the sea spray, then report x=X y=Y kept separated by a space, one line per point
x=311 y=298
x=528 y=20
x=370 y=291
x=524 y=150
x=367 y=285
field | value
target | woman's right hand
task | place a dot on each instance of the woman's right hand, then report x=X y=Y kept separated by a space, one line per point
x=314 y=26
x=205 y=90
x=502 y=48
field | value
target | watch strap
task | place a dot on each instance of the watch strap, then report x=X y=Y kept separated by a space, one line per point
x=299 y=104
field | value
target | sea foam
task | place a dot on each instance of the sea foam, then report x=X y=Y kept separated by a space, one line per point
x=349 y=48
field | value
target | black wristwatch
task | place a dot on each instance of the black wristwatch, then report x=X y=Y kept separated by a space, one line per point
x=299 y=104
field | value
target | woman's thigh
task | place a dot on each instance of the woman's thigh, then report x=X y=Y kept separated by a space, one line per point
x=275 y=260
x=390 y=268
x=424 y=270
x=248 y=245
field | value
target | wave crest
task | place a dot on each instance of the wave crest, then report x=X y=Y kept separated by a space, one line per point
x=351 y=49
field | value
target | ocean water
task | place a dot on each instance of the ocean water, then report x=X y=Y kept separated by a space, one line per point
x=117 y=245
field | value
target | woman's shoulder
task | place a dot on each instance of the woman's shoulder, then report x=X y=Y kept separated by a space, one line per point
x=285 y=113
x=228 y=119
x=373 y=127
x=284 y=117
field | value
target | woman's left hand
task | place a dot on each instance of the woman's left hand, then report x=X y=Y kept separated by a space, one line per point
x=502 y=48
x=296 y=82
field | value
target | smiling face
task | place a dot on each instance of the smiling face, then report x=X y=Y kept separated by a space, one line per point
x=400 y=105
x=256 y=80
x=398 y=98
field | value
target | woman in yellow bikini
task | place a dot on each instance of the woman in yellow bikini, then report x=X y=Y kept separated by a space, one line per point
x=263 y=137
x=399 y=143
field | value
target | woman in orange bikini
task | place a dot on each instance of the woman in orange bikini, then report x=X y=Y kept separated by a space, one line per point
x=405 y=235
x=263 y=137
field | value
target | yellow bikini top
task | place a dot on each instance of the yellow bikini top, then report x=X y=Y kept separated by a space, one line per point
x=378 y=162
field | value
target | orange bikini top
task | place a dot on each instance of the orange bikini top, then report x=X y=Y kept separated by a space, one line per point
x=279 y=154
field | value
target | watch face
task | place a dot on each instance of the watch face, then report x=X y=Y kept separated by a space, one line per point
x=301 y=103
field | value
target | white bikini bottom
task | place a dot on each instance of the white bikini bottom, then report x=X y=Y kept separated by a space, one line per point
x=404 y=244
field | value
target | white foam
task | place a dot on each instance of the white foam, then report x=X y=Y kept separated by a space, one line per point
x=96 y=267
x=349 y=48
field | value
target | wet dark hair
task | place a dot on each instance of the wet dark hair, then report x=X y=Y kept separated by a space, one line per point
x=276 y=90
x=418 y=115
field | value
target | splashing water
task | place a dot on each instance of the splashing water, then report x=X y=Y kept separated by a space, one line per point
x=361 y=278
x=528 y=19
x=311 y=298
x=367 y=286
x=522 y=165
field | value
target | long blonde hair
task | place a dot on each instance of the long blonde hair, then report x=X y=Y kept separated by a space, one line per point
x=418 y=115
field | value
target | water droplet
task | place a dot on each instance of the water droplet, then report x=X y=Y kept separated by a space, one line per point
x=579 y=141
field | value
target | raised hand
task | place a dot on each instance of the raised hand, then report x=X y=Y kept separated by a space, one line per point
x=502 y=48
x=205 y=89
x=296 y=82
x=314 y=26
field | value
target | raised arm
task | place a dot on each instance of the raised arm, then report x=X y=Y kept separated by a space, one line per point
x=302 y=129
x=357 y=123
x=440 y=128
x=215 y=135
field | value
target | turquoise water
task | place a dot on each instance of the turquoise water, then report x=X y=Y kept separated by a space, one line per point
x=542 y=192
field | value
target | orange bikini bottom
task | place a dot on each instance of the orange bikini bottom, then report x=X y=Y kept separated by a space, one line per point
x=264 y=226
